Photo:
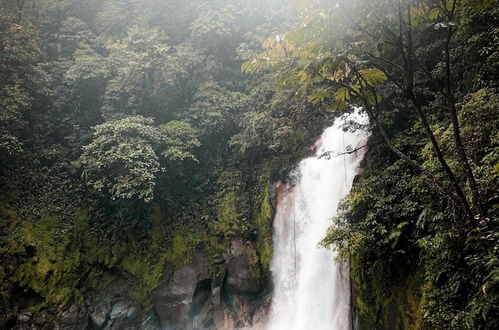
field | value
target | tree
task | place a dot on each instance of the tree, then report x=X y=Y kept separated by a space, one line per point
x=124 y=156
x=355 y=53
x=180 y=139
x=20 y=75
x=213 y=109
x=213 y=29
x=147 y=74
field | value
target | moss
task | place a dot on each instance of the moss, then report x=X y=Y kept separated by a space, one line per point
x=58 y=262
x=262 y=220
x=371 y=296
x=225 y=226
x=229 y=222
x=144 y=263
x=50 y=262
x=217 y=245
x=254 y=260
x=183 y=244
x=382 y=302
x=231 y=209
x=146 y=274
x=409 y=301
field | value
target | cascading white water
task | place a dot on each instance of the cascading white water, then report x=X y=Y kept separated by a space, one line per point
x=311 y=290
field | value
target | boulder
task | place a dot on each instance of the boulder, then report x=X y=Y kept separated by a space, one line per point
x=181 y=293
x=111 y=310
x=75 y=317
x=243 y=268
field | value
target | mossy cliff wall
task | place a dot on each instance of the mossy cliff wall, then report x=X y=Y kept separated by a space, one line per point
x=209 y=267
x=381 y=303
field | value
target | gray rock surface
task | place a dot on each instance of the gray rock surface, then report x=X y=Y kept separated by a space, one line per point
x=222 y=294
x=243 y=273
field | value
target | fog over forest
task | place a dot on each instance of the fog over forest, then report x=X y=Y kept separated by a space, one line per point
x=249 y=164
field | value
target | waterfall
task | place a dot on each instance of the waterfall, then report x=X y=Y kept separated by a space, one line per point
x=311 y=290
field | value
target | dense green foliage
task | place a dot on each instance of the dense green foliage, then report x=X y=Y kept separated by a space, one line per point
x=131 y=133
x=420 y=226
x=121 y=158
x=129 y=137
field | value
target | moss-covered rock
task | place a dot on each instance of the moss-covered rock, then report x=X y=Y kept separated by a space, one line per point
x=381 y=303
x=263 y=214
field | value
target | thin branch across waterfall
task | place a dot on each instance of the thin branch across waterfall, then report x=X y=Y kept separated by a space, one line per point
x=348 y=151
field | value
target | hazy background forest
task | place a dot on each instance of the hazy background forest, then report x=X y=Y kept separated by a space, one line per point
x=137 y=135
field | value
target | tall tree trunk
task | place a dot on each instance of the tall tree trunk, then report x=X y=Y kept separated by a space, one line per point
x=451 y=105
x=406 y=52
x=438 y=151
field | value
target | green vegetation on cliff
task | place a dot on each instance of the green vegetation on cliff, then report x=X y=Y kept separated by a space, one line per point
x=132 y=134
x=129 y=138
x=420 y=226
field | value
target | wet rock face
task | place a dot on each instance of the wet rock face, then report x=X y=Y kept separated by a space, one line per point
x=111 y=310
x=106 y=310
x=26 y=319
x=172 y=300
x=182 y=290
x=72 y=318
x=192 y=298
x=226 y=294
x=243 y=295
x=115 y=315
x=243 y=270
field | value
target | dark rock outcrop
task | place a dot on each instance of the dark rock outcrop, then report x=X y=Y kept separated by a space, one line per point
x=226 y=293
x=178 y=291
x=243 y=270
